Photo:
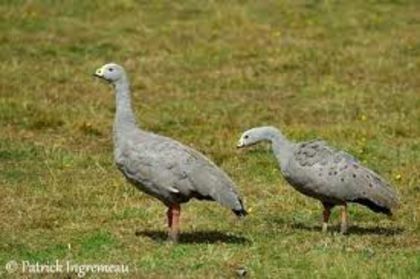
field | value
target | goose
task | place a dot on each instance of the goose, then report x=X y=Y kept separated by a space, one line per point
x=160 y=166
x=331 y=176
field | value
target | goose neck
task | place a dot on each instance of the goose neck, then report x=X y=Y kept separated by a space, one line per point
x=124 y=117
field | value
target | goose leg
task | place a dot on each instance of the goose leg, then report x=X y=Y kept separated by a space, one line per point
x=344 y=219
x=173 y=213
x=326 y=216
x=169 y=215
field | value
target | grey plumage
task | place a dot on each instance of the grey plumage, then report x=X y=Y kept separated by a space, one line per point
x=335 y=177
x=324 y=173
x=172 y=172
x=160 y=166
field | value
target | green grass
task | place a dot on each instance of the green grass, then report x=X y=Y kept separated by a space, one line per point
x=202 y=72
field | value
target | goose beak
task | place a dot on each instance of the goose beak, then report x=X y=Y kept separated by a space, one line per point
x=99 y=73
x=240 y=144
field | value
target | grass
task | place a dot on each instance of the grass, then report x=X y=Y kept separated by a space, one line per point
x=202 y=72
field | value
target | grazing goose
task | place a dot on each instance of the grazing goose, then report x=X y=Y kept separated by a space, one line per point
x=321 y=172
x=160 y=166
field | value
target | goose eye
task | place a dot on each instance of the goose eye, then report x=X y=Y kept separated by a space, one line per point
x=111 y=69
x=246 y=136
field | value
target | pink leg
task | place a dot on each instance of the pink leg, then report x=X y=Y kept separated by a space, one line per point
x=326 y=217
x=169 y=215
x=173 y=214
x=344 y=220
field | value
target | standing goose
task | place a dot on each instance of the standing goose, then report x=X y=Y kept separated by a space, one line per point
x=160 y=166
x=321 y=172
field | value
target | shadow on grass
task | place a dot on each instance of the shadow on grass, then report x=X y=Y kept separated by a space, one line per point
x=196 y=237
x=354 y=229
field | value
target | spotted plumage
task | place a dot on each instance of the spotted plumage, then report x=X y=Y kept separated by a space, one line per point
x=332 y=176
